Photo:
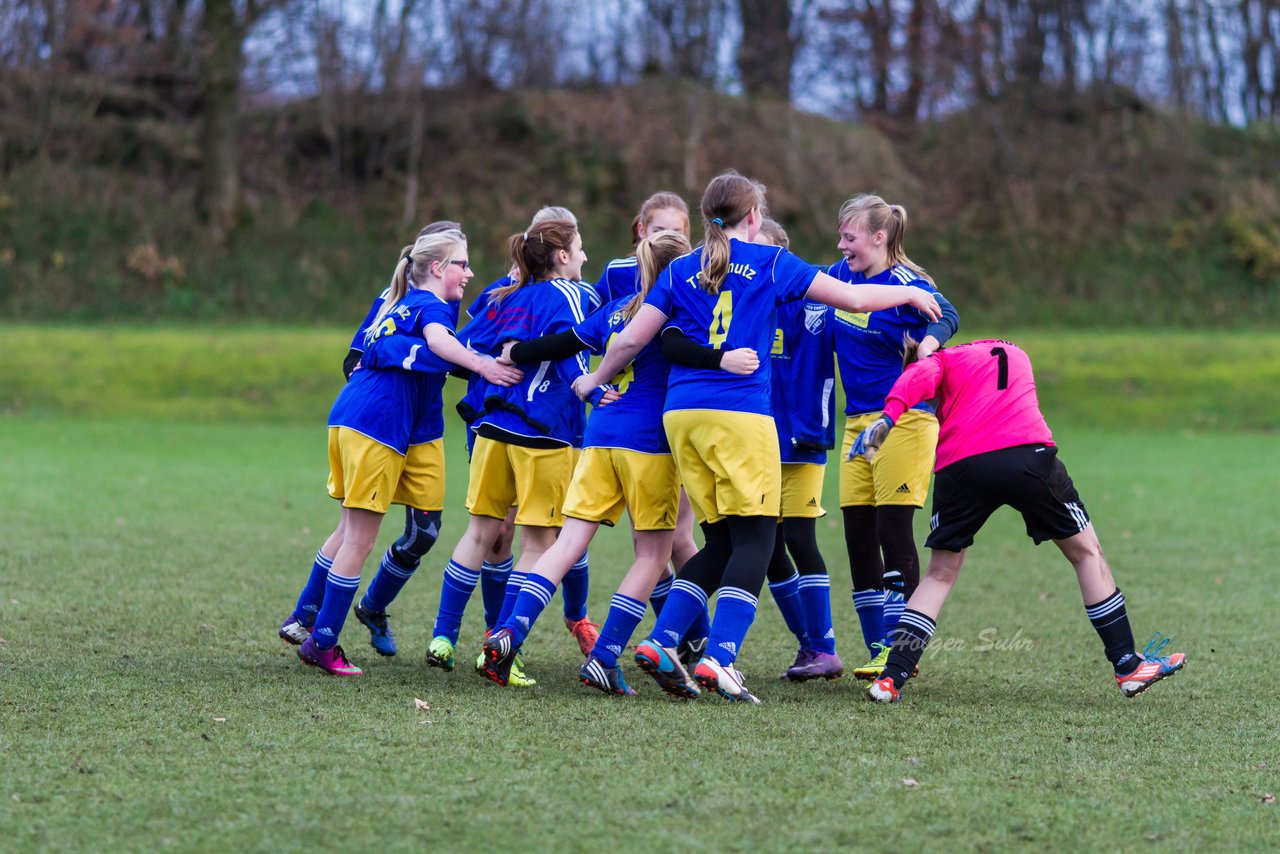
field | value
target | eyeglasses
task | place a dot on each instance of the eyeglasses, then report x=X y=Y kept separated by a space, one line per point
x=466 y=265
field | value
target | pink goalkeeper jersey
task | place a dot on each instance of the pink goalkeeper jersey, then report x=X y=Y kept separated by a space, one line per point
x=986 y=399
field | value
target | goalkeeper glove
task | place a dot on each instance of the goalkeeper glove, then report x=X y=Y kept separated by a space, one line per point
x=870 y=439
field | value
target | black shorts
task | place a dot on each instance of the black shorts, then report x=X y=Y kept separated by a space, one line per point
x=1029 y=478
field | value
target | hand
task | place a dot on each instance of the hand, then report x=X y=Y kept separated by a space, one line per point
x=924 y=302
x=584 y=385
x=869 y=440
x=742 y=361
x=602 y=395
x=926 y=348
x=499 y=374
x=505 y=358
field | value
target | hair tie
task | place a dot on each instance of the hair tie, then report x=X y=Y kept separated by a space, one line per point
x=526 y=237
x=718 y=221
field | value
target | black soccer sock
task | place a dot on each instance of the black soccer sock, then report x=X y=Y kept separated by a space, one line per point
x=1111 y=622
x=909 y=640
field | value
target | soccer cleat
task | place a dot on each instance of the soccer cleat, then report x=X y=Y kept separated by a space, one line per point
x=518 y=678
x=882 y=691
x=499 y=655
x=1153 y=668
x=690 y=651
x=723 y=679
x=664 y=666
x=874 y=668
x=292 y=631
x=332 y=661
x=811 y=664
x=606 y=679
x=585 y=632
x=380 y=636
x=440 y=653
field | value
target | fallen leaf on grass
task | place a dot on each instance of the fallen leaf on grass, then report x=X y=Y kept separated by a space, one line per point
x=219 y=720
x=2 y=640
x=1218 y=581
x=1261 y=766
x=911 y=760
x=1268 y=798
x=426 y=721
x=421 y=705
x=910 y=783
x=1044 y=597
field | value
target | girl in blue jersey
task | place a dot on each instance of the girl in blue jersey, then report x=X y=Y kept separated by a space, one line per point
x=496 y=569
x=421 y=527
x=523 y=453
x=385 y=437
x=626 y=463
x=663 y=211
x=879 y=500
x=802 y=394
x=722 y=436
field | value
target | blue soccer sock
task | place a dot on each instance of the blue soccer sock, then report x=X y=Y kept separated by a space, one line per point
x=515 y=582
x=535 y=594
x=312 y=595
x=574 y=588
x=455 y=591
x=870 y=607
x=701 y=625
x=658 y=597
x=339 y=593
x=386 y=585
x=625 y=614
x=815 y=599
x=786 y=594
x=735 y=611
x=895 y=602
x=684 y=603
x=493 y=588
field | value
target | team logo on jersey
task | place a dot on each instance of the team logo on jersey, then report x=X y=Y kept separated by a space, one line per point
x=815 y=317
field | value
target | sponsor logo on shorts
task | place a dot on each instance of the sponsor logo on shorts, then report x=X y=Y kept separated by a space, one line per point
x=813 y=502
x=903 y=490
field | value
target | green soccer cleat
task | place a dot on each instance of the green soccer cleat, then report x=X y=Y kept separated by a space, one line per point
x=874 y=668
x=440 y=653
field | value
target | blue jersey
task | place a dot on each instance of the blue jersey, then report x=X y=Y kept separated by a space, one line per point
x=401 y=405
x=743 y=314
x=804 y=378
x=869 y=344
x=621 y=278
x=357 y=340
x=543 y=404
x=633 y=422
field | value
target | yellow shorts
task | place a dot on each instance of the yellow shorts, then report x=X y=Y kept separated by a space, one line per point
x=368 y=475
x=729 y=462
x=900 y=474
x=606 y=480
x=802 y=490
x=534 y=479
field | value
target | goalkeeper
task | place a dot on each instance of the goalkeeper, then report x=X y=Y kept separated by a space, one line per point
x=994 y=448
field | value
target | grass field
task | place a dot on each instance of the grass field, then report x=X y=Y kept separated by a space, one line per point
x=145 y=702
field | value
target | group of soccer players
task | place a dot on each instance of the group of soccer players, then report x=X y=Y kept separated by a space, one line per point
x=713 y=401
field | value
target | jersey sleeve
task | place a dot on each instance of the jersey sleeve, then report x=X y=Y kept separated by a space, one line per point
x=661 y=295
x=594 y=331
x=919 y=382
x=792 y=276
x=357 y=340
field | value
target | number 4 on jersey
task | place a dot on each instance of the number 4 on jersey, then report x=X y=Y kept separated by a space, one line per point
x=721 y=317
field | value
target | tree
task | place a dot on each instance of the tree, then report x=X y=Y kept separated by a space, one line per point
x=223 y=28
x=768 y=47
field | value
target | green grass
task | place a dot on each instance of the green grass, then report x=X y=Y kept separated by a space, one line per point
x=145 y=567
x=1131 y=381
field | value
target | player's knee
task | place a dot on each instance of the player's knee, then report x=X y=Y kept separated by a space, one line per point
x=421 y=530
